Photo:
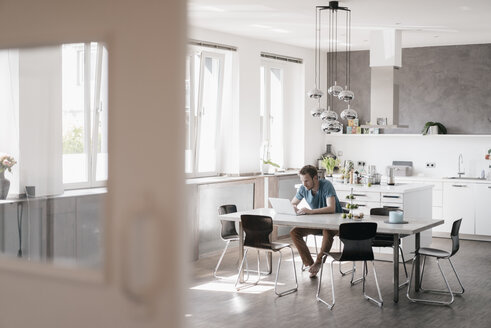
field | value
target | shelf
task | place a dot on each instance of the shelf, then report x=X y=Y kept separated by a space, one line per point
x=412 y=135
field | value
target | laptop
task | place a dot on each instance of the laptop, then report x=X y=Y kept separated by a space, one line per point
x=283 y=206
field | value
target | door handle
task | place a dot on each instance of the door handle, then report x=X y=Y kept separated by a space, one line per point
x=142 y=269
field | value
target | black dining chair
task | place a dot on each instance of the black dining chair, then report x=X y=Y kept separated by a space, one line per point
x=438 y=254
x=228 y=232
x=357 y=238
x=258 y=229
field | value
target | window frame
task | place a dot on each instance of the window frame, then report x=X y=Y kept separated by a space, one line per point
x=267 y=65
x=196 y=107
x=92 y=112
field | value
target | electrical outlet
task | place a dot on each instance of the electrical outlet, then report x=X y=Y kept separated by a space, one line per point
x=430 y=165
x=361 y=163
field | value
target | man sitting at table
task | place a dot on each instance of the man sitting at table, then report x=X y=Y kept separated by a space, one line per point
x=322 y=199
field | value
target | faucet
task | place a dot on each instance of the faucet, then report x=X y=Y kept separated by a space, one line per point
x=461 y=171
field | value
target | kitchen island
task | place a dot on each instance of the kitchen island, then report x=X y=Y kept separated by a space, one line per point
x=414 y=199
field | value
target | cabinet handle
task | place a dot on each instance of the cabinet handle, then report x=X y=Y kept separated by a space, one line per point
x=459 y=186
x=489 y=187
x=361 y=195
x=390 y=196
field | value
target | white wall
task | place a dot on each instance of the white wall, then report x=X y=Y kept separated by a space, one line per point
x=443 y=150
x=303 y=131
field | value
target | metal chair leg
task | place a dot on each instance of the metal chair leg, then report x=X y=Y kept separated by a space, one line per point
x=319 y=283
x=289 y=291
x=421 y=300
x=221 y=258
x=220 y=261
x=362 y=278
x=240 y=268
x=380 y=301
x=437 y=291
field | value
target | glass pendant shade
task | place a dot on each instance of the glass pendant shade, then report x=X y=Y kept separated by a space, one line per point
x=333 y=127
x=317 y=111
x=329 y=115
x=349 y=114
x=324 y=126
x=335 y=90
x=315 y=93
x=346 y=95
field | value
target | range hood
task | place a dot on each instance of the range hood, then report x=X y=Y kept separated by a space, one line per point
x=385 y=61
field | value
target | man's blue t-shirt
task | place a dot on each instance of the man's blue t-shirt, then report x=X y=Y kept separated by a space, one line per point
x=326 y=190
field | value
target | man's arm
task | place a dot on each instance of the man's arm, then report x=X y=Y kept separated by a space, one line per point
x=329 y=209
x=295 y=202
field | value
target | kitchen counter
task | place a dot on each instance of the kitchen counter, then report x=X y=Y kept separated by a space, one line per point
x=397 y=188
x=229 y=178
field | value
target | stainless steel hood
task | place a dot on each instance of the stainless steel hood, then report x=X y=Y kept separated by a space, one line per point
x=385 y=60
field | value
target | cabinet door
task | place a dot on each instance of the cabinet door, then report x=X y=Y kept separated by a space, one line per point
x=482 y=194
x=458 y=202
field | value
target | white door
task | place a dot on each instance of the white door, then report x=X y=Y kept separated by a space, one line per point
x=139 y=284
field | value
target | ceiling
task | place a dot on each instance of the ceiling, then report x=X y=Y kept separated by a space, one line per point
x=423 y=22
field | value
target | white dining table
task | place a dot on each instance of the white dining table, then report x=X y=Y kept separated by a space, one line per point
x=332 y=222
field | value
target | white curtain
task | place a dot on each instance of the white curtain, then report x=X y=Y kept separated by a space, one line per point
x=30 y=111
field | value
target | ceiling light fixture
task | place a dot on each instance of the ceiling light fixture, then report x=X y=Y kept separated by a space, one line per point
x=330 y=117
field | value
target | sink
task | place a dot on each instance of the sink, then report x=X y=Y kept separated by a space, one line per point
x=465 y=178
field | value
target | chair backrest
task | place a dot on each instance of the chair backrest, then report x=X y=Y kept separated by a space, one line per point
x=257 y=230
x=357 y=238
x=379 y=211
x=454 y=234
x=228 y=227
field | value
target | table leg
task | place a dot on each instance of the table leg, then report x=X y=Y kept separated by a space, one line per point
x=241 y=251
x=270 y=262
x=396 y=268
x=417 y=242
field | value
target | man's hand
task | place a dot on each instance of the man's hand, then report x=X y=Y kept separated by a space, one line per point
x=304 y=210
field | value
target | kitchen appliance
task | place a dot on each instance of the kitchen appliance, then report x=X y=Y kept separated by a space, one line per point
x=390 y=176
x=402 y=168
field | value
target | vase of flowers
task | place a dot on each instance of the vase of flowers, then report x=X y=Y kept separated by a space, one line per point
x=6 y=163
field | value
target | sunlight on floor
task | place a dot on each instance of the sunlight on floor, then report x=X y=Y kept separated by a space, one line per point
x=227 y=284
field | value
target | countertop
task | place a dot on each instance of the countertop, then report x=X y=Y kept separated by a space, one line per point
x=397 y=188
x=228 y=178
x=67 y=193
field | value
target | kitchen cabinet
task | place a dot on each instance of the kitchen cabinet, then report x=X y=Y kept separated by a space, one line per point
x=458 y=202
x=414 y=199
x=482 y=196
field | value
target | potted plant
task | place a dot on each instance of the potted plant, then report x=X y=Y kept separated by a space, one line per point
x=434 y=128
x=6 y=163
x=329 y=164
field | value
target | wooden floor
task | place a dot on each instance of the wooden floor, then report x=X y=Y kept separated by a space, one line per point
x=216 y=303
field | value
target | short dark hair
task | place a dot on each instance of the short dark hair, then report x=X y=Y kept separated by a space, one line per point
x=308 y=169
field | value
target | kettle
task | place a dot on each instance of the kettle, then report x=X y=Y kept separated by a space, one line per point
x=390 y=176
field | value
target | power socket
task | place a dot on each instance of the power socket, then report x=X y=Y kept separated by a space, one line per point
x=361 y=163
x=430 y=165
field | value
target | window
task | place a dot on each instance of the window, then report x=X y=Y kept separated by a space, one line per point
x=84 y=114
x=271 y=111
x=204 y=95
